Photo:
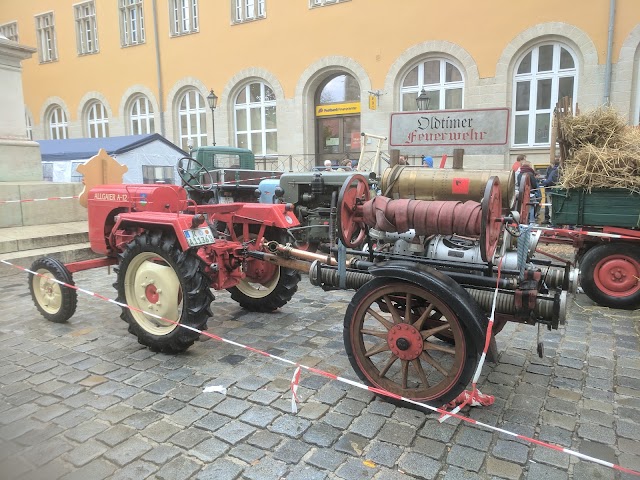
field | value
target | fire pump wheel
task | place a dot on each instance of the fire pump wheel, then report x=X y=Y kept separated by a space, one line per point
x=156 y=276
x=491 y=227
x=55 y=302
x=351 y=227
x=610 y=275
x=266 y=287
x=390 y=334
x=524 y=198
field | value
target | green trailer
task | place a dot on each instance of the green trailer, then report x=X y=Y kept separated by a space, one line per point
x=600 y=207
x=604 y=226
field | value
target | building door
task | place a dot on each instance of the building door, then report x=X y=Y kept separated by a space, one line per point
x=338 y=120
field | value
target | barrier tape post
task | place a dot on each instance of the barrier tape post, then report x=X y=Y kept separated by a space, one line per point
x=342 y=379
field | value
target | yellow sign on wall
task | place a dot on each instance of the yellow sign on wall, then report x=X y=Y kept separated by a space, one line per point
x=338 y=109
x=373 y=102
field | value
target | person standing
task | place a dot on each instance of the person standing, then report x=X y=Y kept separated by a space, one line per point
x=516 y=165
x=551 y=179
x=328 y=166
x=427 y=161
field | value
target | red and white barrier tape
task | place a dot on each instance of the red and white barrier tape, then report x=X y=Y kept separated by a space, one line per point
x=344 y=380
x=37 y=199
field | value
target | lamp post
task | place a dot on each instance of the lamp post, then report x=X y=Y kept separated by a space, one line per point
x=212 y=99
x=423 y=100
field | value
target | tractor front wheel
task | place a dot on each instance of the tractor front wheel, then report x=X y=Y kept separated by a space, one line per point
x=55 y=302
x=156 y=276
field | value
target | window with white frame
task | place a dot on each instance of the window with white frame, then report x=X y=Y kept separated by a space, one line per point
x=543 y=75
x=75 y=175
x=184 y=16
x=97 y=120
x=10 y=31
x=192 y=120
x=141 y=120
x=86 y=28
x=158 y=174
x=440 y=79
x=47 y=171
x=57 y=122
x=255 y=119
x=29 y=124
x=245 y=10
x=322 y=3
x=45 y=29
x=636 y=113
x=131 y=22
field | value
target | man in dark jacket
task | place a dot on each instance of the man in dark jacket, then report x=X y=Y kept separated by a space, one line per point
x=550 y=180
x=525 y=168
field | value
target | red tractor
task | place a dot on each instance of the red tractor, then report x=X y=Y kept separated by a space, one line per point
x=169 y=258
x=417 y=323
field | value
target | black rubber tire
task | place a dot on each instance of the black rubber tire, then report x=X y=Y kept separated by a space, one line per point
x=193 y=289
x=592 y=270
x=367 y=368
x=63 y=300
x=274 y=296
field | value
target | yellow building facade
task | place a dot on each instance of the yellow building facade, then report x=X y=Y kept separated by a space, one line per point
x=305 y=77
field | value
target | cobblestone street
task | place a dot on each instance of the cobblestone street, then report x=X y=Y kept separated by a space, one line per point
x=83 y=400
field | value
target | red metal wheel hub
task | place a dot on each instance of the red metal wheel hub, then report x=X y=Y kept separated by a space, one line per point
x=405 y=341
x=617 y=275
x=151 y=293
x=259 y=272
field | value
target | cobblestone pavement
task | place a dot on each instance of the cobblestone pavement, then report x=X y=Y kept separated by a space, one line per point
x=84 y=400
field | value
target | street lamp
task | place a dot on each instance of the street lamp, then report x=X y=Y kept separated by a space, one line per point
x=212 y=99
x=423 y=100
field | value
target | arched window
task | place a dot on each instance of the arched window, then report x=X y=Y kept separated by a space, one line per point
x=255 y=119
x=57 y=121
x=192 y=120
x=441 y=80
x=543 y=75
x=141 y=116
x=97 y=120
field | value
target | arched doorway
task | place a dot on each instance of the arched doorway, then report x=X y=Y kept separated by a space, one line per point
x=337 y=112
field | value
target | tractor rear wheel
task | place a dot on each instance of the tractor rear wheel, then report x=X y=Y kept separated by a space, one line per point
x=391 y=331
x=55 y=302
x=156 y=276
x=266 y=287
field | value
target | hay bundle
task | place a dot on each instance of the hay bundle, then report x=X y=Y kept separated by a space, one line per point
x=603 y=152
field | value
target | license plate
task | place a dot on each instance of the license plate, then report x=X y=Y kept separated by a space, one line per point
x=199 y=236
x=226 y=200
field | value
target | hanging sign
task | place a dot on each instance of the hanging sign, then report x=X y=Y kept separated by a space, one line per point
x=477 y=131
x=373 y=102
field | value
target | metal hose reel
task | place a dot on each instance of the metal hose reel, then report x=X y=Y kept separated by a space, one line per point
x=357 y=212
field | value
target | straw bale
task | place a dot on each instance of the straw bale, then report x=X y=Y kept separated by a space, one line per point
x=603 y=152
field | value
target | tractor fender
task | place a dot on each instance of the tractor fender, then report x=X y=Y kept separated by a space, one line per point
x=437 y=282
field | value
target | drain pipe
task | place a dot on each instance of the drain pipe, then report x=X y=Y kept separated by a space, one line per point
x=158 y=68
x=607 y=72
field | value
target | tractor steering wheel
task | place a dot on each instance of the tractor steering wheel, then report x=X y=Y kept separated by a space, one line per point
x=194 y=179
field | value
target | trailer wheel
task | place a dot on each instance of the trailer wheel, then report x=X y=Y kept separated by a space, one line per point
x=157 y=277
x=55 y=302
x=266 y=287
x=610 y=275
x=391 y=331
